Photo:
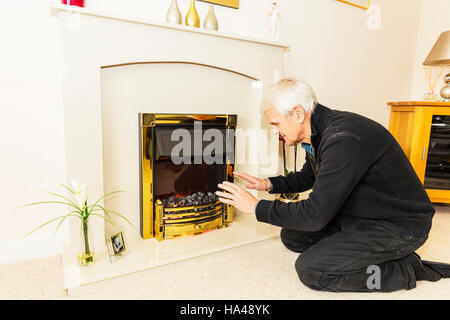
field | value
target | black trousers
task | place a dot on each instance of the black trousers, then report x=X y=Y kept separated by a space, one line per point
x=350 y=253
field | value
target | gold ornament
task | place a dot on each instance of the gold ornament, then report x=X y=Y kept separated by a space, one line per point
x=192 y=18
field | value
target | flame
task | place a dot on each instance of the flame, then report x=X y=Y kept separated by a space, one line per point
x=229 y=170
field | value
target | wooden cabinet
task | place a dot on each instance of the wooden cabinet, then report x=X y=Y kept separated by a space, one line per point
x=423 y=130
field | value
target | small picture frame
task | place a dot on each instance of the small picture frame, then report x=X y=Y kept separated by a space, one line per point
x=116 y=246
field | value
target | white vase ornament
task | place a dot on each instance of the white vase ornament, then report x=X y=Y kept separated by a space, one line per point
x=211 y=22
x=174 y=13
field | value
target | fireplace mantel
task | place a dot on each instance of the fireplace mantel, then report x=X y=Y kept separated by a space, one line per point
x=56 y=8
x=114 y=67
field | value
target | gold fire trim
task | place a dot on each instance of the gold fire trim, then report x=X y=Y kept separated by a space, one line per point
x=167 y=229
x=146 y=169
x=177 y=209
x=151 y=120
x=159 y=222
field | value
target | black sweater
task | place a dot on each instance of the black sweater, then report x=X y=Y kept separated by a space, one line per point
x=358 y=170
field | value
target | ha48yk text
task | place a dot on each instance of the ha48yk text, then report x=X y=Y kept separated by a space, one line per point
x=226 y=309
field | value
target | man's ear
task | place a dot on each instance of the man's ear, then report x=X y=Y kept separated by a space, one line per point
x=299 y=113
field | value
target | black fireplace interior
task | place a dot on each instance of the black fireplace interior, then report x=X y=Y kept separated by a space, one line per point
x=186 y=184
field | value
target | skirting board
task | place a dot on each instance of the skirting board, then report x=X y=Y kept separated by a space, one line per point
x=32 y=248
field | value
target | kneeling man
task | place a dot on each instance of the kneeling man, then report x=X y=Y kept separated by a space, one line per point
x=368 y=210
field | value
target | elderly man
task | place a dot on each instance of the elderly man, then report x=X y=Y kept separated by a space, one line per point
x=367 y=212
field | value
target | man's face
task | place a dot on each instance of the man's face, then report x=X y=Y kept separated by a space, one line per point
x=292 y=127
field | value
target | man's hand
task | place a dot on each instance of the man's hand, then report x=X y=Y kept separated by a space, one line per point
x=253 y=182
x=237 y=197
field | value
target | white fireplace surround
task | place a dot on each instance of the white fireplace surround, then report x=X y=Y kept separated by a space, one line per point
x=114 y=67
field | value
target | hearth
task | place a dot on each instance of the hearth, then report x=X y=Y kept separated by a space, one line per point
x=182 y=160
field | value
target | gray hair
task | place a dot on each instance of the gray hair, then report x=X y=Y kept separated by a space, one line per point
x=286 y=94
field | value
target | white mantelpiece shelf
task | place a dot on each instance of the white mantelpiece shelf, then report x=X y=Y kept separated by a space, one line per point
x=56 y=8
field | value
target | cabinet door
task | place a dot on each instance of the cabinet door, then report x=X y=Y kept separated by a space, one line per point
x=401 y=126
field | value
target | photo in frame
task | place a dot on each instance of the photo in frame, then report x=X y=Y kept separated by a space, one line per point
x=363 y=4
x=115 y=243
x=226 y=3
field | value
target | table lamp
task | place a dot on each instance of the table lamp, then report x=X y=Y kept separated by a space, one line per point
x=440 y=56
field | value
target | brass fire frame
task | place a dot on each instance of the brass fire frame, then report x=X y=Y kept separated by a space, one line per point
x=152 y=213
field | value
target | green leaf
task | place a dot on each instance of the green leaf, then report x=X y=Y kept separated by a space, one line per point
x=47 y=202
x=118 y=214
x=70 y=201
x=85 y=213
x=62 y=220
x=43 y=225
x=106 y=195
x=99 y=215
x=65 y=187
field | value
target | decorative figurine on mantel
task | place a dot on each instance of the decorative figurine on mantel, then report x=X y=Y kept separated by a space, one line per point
x=211 y=22
x=275 y=21
x=192 y=18
x=174 y=13
x=78 y=3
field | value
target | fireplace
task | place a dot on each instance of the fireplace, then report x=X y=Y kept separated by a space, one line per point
x=183 y=157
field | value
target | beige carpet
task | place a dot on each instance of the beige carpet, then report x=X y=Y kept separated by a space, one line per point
x=263 y=270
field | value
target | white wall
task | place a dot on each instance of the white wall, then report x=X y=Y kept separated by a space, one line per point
x=434 y=19
x=31 y=130
x=350 y=67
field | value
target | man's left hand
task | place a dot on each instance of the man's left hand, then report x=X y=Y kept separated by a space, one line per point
x=237 y=197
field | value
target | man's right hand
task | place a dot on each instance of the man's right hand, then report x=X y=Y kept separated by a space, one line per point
x=253 y=182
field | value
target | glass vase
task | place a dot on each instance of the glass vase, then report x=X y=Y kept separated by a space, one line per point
x=85 y=244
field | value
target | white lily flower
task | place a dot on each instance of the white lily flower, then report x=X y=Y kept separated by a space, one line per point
x=80 y=195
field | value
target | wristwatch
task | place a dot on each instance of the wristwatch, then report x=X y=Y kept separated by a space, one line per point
x=270 y=186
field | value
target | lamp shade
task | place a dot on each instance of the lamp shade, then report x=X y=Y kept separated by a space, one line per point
x=440 y=54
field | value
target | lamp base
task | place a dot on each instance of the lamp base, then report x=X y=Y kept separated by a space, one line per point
x=445 y=91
